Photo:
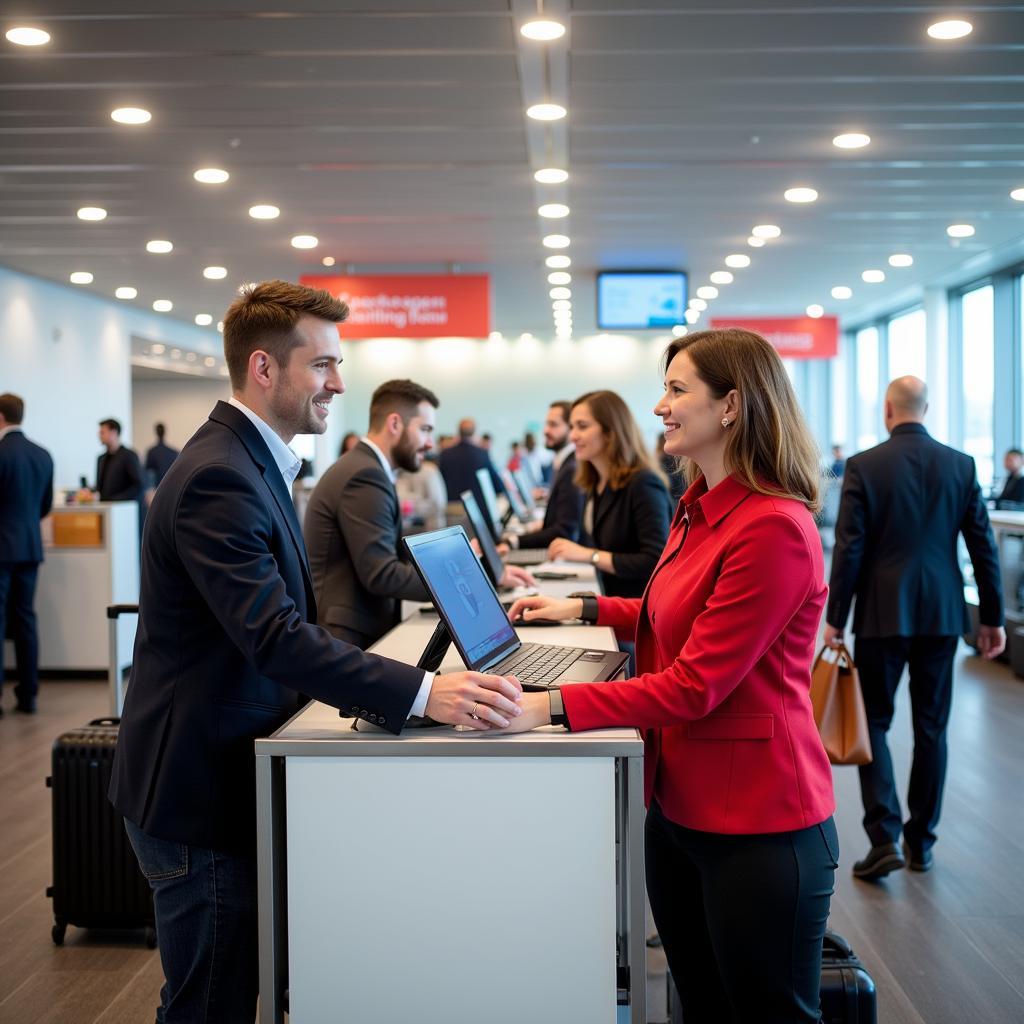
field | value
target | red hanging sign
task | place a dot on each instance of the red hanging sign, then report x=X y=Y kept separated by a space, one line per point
x=795 y=337
x=419 y=306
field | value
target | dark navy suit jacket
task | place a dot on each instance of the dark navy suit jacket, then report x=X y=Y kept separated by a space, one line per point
x=564 y=513
x=459 y=465
x=903 y=504
x=26 y=494
x=227 y=644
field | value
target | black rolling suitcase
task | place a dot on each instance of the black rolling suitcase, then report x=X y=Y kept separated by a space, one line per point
x=96 y=878
x=847 y=991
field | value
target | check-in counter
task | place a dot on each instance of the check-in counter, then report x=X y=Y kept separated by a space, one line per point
x=1008 y=529
x=91 y=560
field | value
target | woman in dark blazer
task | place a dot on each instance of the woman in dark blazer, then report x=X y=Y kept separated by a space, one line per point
x=740 y=845
x=627 y=508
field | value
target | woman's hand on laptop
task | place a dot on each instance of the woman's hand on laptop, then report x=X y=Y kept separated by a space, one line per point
x=541 y=607
x=475 y=700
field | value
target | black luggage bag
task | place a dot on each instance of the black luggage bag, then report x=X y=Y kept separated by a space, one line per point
x=96 y=878
x=847 y=991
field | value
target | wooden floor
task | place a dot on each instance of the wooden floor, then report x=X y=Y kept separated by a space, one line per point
x=944 y=948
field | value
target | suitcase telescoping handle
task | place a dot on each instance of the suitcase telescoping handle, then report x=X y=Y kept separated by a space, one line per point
x=109 y=720
x=116 y=610
x=116 y=683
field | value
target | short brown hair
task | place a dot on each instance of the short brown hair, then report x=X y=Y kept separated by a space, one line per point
x=401 y=396
x=264 y=317
x=565 y=408
x=12 y=408
x=624 y=443
x=769 y=446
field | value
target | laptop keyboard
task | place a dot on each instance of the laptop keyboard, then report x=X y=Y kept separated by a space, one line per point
x=538 y=663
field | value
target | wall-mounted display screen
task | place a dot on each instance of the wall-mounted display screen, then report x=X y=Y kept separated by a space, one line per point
x=640 y=300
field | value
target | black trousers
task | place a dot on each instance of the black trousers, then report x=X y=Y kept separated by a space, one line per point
x=880 y=664
x=742 y=919
x=17 y=597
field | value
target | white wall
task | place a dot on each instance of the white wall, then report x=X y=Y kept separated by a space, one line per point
x=67 y=354
x=182 y=405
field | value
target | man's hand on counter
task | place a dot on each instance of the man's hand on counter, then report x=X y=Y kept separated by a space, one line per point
x=475 y=699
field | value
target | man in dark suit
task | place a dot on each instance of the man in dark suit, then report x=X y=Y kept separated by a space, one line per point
x=227 y=644
x=564 y=512
x=119 y=472
x=1012 y=494
x=26 y=494
x=902 y=506
x=160 y=457
x=353 y=521
x=460 y=461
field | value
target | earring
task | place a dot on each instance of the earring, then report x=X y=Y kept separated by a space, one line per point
x=725 y=421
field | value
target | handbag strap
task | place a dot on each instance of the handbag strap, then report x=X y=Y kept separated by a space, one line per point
x=842 y=653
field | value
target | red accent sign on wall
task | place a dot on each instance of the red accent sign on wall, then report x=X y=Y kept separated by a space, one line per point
x=419 y=306
x=795 y=337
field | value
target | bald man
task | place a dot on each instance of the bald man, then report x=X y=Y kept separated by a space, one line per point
x=459 y=464
x=902 y=506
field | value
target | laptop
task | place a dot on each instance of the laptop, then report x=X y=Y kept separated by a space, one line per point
x=522 y=483
x=492 y=562
x=479 y=627
x=490 y=498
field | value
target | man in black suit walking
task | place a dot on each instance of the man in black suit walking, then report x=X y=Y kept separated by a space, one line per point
x=26 y=494
x=227 y=644
x=902 y=506
x=161 y=456
x=460 y=461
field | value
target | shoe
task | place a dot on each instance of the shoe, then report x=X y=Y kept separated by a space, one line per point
x=26 y=709
x=654 y=941
x=879 y=862
x=918 y=860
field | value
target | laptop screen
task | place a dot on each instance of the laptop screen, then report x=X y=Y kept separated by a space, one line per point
x=523 y=484
x=512 y=491
x=490 y=508
x=491 y=559
x=464 y=597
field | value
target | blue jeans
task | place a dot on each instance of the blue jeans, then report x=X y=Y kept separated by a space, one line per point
x=205 y=903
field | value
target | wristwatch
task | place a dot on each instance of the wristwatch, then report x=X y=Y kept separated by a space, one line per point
x=558 y=716
x=594 y=557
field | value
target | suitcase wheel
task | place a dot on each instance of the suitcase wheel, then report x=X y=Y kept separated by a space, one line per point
x=150 y=938
x=57 y=933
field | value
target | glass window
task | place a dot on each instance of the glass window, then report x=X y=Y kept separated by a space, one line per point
x=868 y=405
x=908 y=346
x=839 y=407
x=976 y=308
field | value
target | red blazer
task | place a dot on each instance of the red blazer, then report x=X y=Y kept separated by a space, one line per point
x=725 y=637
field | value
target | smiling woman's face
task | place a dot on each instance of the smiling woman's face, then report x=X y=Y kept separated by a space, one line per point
x=586 y=433
x=692 y=416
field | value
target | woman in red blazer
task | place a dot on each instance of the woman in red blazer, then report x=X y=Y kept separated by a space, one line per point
x=740 y=844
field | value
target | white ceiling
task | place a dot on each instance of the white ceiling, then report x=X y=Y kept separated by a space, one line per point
x=395 y=131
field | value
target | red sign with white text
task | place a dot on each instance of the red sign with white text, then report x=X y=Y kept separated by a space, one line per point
x=795 y=337
x=417 y=306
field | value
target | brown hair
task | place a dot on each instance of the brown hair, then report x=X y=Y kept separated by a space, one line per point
x=401 y=396
x=12 y=408
x=769 y=446
x=624 y=444
x=264 y=317
x=565 y=408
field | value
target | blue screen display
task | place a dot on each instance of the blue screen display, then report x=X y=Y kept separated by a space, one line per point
x=639 y=301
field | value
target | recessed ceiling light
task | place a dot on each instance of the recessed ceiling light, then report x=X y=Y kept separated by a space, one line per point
x=305 y=242
x=211 y=175
x=558 y=262
x=203 y=319
x=80 y=277
x=215 y=273
x=737 y=260
x=559 y=277
x=679 y=331
x=131 y=115
x=555 y=241
x=495 y=336
x=175 y=352
x=901 y=259
x=553 y=210
x=209 y=361
x=190 y=357
x=24 y=35
x=707 y=292
x=561 y=304
x=699 y=304
x=220 y=327
x=264 y=211
x=158 y=349
x=851 y=140
x=692 y=316
x=328 y=261
x=560 y=293
x=1018 y=194
x=873 y=276
x=164 y=306
x=551 y=175
x=126 y=291
x=842 y=292
x=754 y=242
x=543 y=30
x=546 y=112
x=952 y=29
x=960 y=230
x=92 y=213
x=159 y=245
x=814 y=311
x=721 y=277
x=800 y=195
x=766 y=231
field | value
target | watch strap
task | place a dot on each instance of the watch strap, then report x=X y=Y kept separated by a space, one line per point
x=557 y=708
x=589 y=612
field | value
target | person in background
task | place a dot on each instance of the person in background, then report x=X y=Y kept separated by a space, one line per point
x=160 y=456
x=741 y=847
x=1012 y=493
x=460 y=461
x=26 y=495
x=838 y=461
x=670 y=467
x=515 y=459
x=903 y=504
x=423 y=489
x=537 y=460
x=119 y=472
x=348 y=442
x=486 y=441
x=627 y=507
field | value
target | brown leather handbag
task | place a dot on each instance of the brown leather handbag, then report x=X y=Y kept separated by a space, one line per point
x=839 y=707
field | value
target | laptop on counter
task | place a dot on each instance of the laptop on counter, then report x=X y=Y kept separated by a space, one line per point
x=479 y=627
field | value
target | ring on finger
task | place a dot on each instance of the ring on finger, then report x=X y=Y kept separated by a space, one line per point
x=473 y=713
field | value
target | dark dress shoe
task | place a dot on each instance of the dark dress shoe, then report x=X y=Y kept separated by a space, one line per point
x=879 y=862
x=26 y=709
x=918 y=860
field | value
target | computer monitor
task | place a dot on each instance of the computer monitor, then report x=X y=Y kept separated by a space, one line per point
x=491 y=559
x=490 y=497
